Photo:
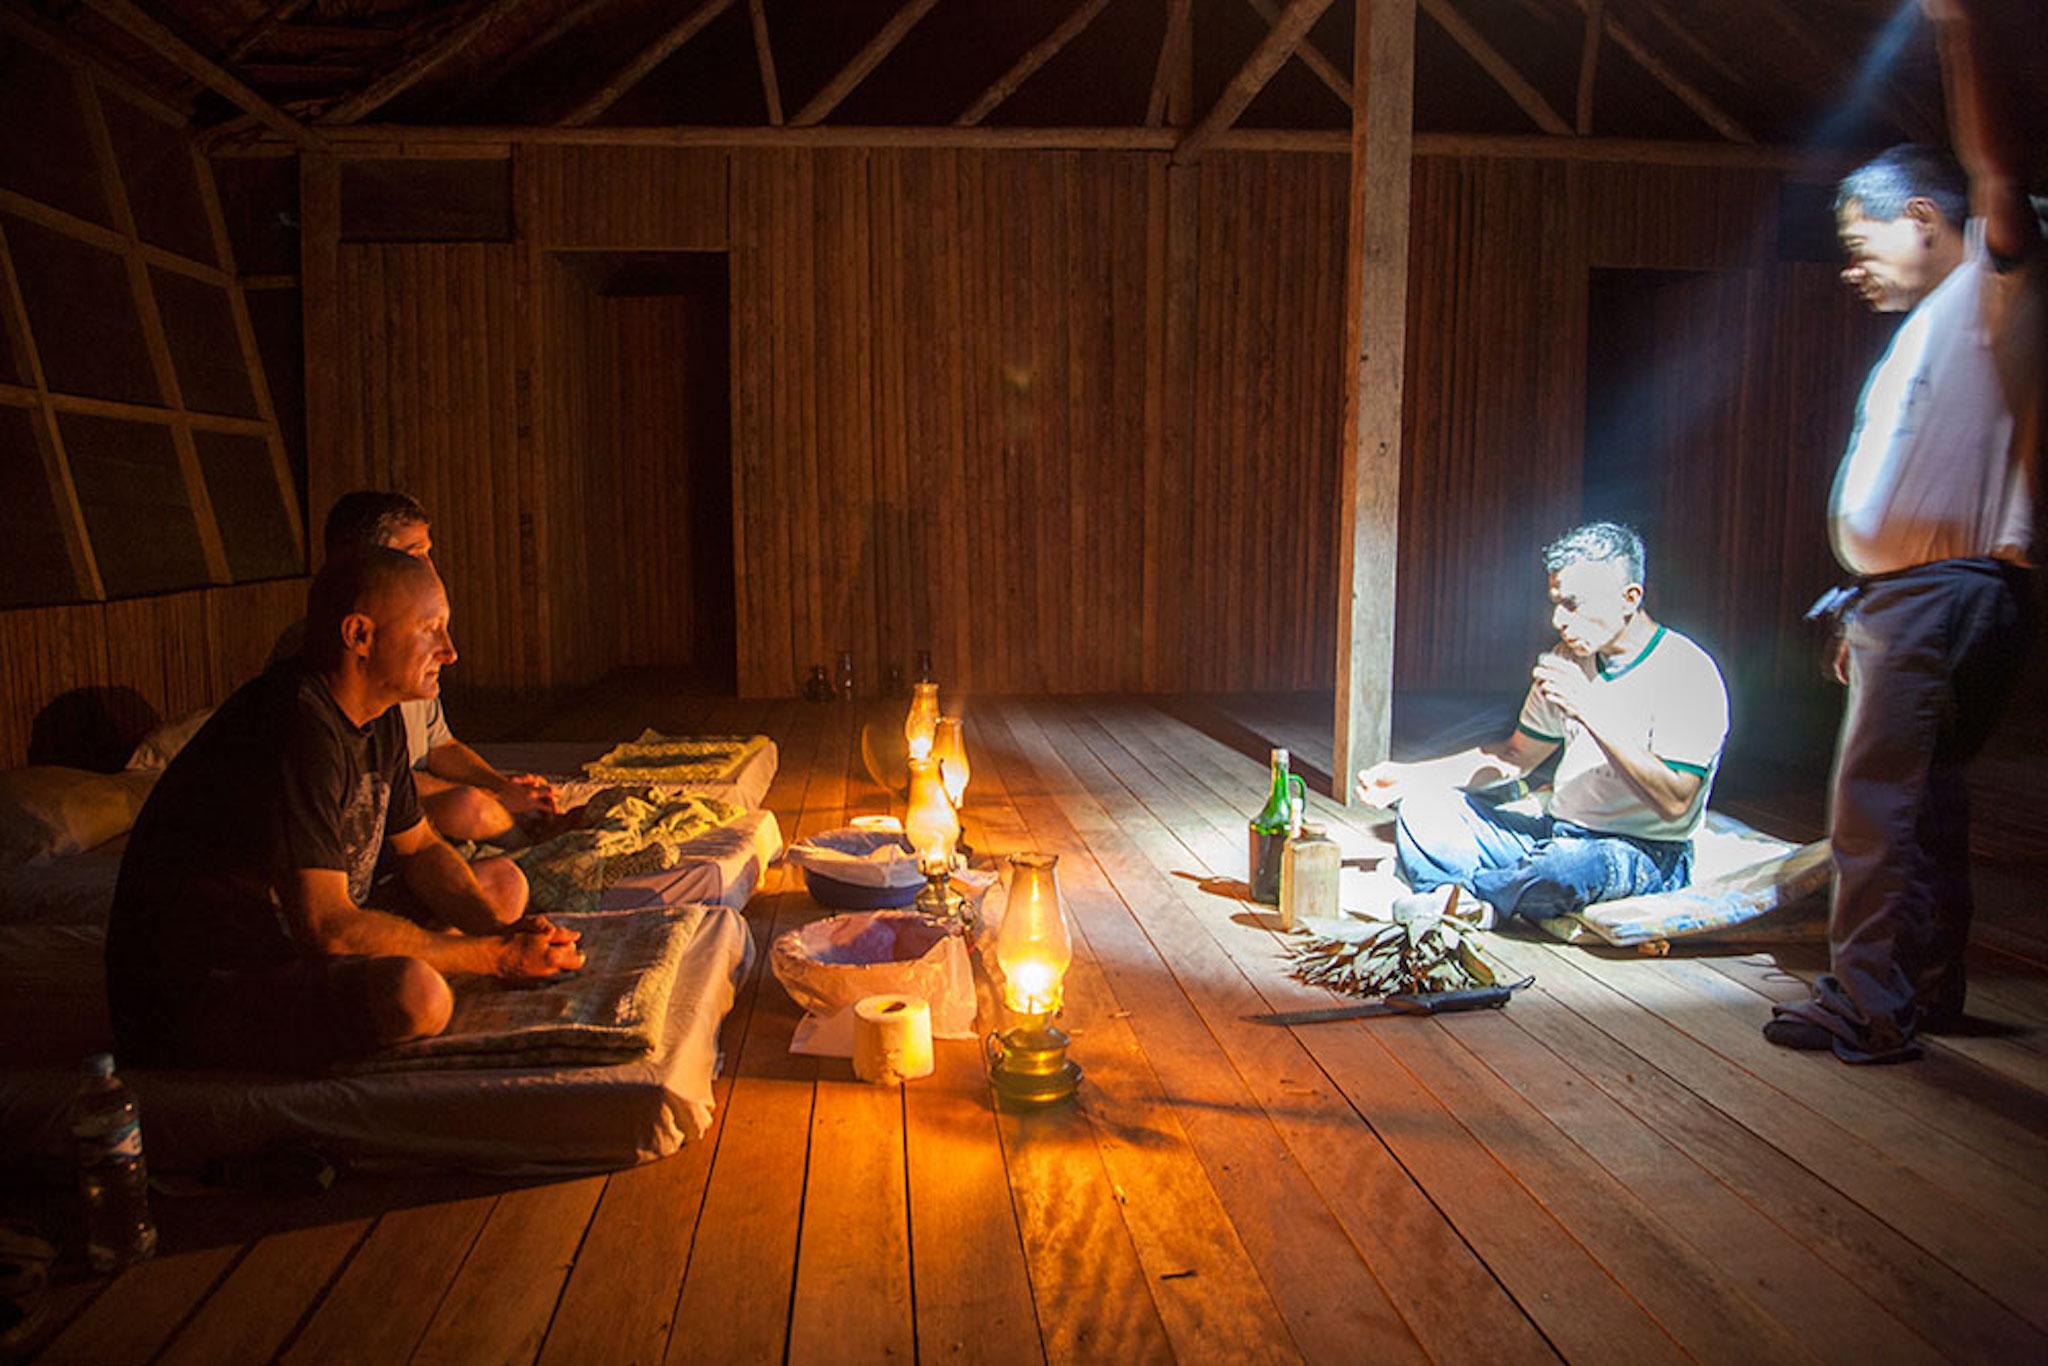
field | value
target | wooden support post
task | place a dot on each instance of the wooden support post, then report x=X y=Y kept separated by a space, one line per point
x=131 y=19
x=1375 y=334
x=771 y=89
x=320 y=310
x=866 y=60
x=657 y=52
x=1589 y=61
x=1503 y=72
x=1006 y=84
x=422 y=64
x=1268 y=57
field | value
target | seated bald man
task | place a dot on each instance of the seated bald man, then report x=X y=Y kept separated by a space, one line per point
x=240 y=934
x=462 y=794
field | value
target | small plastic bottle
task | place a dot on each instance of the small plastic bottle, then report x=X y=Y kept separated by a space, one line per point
x=846 y=675
x=106 y=1132
x=1310 y=868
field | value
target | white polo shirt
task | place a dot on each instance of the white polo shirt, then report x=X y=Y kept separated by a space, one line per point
x=1668 y=699
x=1940 y=462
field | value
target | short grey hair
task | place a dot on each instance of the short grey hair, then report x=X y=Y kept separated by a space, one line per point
x=1597 y=541
x=1882 y=186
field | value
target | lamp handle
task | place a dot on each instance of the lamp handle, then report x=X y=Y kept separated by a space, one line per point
x=993 y=1050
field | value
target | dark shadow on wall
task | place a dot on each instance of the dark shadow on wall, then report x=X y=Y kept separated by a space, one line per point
x=91 y=728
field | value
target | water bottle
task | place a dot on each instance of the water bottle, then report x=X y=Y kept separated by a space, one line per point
x=106 y=1131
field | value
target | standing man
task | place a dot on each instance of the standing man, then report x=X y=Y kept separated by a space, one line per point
x=1933 y=512
x=1642 y=716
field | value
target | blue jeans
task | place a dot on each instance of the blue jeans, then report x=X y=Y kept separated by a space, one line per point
x=1528 y=865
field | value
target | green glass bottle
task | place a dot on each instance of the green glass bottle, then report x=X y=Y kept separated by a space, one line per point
x=1270 y=828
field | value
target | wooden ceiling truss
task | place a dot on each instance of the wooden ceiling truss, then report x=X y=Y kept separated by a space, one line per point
x=291 y=43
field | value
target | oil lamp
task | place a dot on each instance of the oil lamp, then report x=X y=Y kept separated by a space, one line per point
x=949 y=747
x=1028 y=1064
x=922 y=719
x=933 y=829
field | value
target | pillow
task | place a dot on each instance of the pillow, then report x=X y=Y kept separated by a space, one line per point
x=161 y=745
x=47 y=812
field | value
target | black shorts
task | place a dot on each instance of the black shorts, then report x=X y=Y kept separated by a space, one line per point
x=297 y=1015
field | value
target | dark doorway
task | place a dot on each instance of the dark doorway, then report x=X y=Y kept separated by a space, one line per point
x=657 y=375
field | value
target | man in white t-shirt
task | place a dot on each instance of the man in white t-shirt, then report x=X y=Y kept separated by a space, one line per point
x=1641 y=714
x=1933 y=511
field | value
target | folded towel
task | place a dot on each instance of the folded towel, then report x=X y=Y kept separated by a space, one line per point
x=658 y=758
x=614 y=1010
x=626 y=831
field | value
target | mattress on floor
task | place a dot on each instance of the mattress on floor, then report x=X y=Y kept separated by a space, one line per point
x=494 y=1119
x=563 y=760
x=74 y=890
x=722 y=867
x=1746 y=885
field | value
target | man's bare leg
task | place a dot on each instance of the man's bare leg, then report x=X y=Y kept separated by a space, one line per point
x=459 y=811
x=504 y=885
x=309 y=1013
x=408 y=999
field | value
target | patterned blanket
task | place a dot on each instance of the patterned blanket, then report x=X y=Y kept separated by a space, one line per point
x=658 y=758
x=626 y=831
x=614 y=1010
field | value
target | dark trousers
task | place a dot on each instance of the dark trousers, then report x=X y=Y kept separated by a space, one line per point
x=1932 y=656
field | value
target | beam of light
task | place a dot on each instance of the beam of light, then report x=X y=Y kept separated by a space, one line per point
x=1878 y=64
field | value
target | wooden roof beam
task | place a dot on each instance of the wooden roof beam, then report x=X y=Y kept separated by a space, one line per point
x=635 y=71
x=421 y=65
x=1311 y=56
x=1688 y=94
x=130 y=18
x=62 y=45
x=1027 y=65
x=771 y=89
x=1171 y=74
x=866 y=60
x=1503 y=72
x=272 y=18
x=1589 y=62
x=1273 y=50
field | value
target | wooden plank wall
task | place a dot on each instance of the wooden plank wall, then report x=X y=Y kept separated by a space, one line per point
x=434 y=401
x=1067 y=419
x=578 y=565
x=176 y=652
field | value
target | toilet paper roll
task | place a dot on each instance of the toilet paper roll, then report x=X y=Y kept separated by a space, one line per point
x=892 y=1039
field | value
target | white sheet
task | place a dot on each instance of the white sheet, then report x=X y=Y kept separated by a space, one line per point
x=563 y=760
x=69 y=891
x=488 y=1119
x=722 y=867
x=53 y=1013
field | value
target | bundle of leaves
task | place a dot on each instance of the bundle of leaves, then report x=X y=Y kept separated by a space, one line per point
x=1376 y=957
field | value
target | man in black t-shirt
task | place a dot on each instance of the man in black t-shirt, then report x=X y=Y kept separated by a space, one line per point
x=239 y=934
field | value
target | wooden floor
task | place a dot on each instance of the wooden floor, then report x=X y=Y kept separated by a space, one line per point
x=1616 y=1168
